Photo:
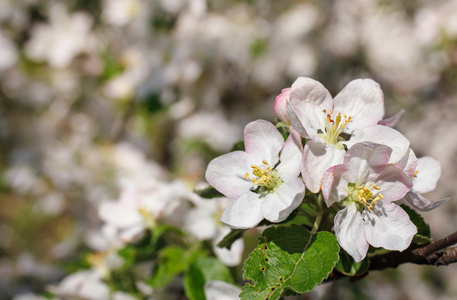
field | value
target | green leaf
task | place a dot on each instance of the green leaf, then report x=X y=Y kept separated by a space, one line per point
x=420 y=239
x=128 y=254
x=208 y=193
x=230 y=238
x=172 y=261
x=238 y=146
x=288 y=258
x=347 y=266
x=202 y=270
x=423 y=235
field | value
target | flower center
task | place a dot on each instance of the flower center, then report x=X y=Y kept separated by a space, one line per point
x=265 y=177
x=365 y=196
x=147 y=217
x=334 y=127
x=98 y=261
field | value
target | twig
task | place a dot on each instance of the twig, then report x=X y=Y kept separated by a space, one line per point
x=120 y=124
x=435 y=254
x=438 y=245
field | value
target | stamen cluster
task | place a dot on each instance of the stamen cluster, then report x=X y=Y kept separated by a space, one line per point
x=266 y=177
x=366 y=197
x=334 y=127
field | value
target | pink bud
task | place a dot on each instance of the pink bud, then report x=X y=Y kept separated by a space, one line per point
x=280 y=107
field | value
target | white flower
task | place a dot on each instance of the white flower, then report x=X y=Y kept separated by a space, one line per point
x=367 y=185
x=142 y=203
x=60 y=41
x=120 y=12
x=331 y=125
x=203 y=222
x=82 y=285
x=258 y=187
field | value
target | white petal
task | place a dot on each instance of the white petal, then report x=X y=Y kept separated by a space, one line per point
x=296 y=120
x=277 y=206
x=349 y=230
x=363 y=100
x=132 y=233
x=119 y=216
x=243 y=212
x=334 y=186
x=408 y=163
x=382 y=135
x=365 y=161
x=318 y=158
x=393 y=183
x=291 y=156
x=219 y=290
x=230 y=257
x=422 y=203
x=226 y=173
x=428 y=173
x=200 y=223
x=263 y=141
x=392 y=121
x=308 y=98
x=388 y=226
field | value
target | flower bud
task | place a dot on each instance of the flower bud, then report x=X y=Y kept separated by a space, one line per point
x=280 y=107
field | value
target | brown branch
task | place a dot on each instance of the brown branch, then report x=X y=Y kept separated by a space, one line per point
x=435 y=254
x=438 y=245
x=118 y=130
x=443 y=257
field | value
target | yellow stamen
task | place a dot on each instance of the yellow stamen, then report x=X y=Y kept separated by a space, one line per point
x=264 y=176
x=364 y=195
x=334 y=126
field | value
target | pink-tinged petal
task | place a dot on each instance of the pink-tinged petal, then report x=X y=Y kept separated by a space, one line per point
x=388 y=226
x=363 y=100
x=334 y=186
x=393 y=183
x=392 y=121
x=365 y=161
x=428 y=173
x=349 y=230
x=243 y=212
x=318 y=158
x=277 y=206
x=263 y=141
x=280 y=107
x=291 y=156
x=226 y=173
x=408 y=163
x=382 y=135
x=296 y=122
x=420 y=202
x=308 y=98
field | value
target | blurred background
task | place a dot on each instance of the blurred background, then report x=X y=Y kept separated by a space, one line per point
x=90 y=89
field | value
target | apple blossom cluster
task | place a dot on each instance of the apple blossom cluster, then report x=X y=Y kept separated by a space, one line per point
x=340 y=148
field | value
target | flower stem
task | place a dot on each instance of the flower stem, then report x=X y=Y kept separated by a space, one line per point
x=320 y=213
